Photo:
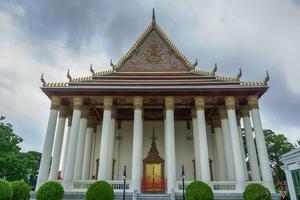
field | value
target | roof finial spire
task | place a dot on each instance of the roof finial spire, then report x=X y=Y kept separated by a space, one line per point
x=267 y=77
x=43 y=80
x=153 y=17
x=239 y=74
x=92 y=70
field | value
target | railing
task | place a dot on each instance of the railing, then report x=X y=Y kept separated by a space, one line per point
x=153 y=184
x=83 y=185
x=217 y=186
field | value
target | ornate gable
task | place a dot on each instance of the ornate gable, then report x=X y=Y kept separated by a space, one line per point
x=153 y=52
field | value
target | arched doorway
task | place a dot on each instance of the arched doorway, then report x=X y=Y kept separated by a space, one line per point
x=153 y=179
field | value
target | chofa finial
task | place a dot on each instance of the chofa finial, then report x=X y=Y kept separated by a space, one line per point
x=239 y=74
x=92 y=70
x=112 y=64
x=153 y=17
x=69 y=76
x=196 y=63
x=267 y=77
x=215 y=69
x=43 y=80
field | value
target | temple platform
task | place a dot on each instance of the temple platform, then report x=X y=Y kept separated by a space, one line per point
x=145 y=196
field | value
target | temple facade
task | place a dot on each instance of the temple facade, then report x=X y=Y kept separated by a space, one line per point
x=153 y=115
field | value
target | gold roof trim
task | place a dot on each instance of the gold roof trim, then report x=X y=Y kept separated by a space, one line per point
x=143 y=36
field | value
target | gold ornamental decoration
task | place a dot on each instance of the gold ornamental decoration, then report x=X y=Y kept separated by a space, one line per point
x=244 y=111
x=153 y=53
x=199 y=103
x=169 y=103
x=230 y=102
x=138 y=103
x=55 y=103
x=253 y=102
x=107 y=103
x=77 y=103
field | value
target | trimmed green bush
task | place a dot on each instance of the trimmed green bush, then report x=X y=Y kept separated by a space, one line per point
x=20 y=190
x=5 y=190
x=50 y=190
x=256 y=191
x=100 y=190
x=199 y=190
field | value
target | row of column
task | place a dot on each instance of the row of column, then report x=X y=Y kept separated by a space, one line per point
x=228 y=143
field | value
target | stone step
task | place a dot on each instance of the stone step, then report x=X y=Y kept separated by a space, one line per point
x=148 y=196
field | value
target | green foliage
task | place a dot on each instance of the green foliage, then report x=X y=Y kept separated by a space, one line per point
x=20 y=190
x=277 y=145
x=198 y=190
x=50 y=190
x=16 y=165
x=5 y=190
x=256 y=191
x=100 y=190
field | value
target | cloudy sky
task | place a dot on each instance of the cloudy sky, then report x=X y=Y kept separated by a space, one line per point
x=53 y=36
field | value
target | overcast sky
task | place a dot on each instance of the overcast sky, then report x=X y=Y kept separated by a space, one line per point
x=53 y=36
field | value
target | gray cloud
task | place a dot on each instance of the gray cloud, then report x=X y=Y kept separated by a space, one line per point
x=50 y=36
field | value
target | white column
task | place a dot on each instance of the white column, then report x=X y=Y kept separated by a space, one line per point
x=221 y=167
x=137 y=147
x=92 y=155
x=111 y=145
x=87 y=151
x=290 y=183
x=261 y=144
x=80 y=143
x=58 y=143
x=236 y=147
x=71 y=155
x=170 y=144
x=196 y=145
x=48 y=142
x=103 y=158
x=251 y=150
x=203 y=147
x=66 y=143
x=242 y=146
x=227 y=144
x=97 y=149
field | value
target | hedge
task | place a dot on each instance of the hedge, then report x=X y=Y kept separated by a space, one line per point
x=199 y=190
x=5 y=190
x=100 y=190
x=50 y=190
x=20 y=190
x=256 y=191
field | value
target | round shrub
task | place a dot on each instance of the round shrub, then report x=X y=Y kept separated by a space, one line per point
x=256 y=191
x=5 y=190
x=100 y=190
x=199 y=190
x=50 y=190
x=20 y=190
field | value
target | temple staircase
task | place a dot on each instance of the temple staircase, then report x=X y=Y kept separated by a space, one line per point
x=149 y=196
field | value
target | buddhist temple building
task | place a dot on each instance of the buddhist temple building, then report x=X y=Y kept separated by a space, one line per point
x=155 y=112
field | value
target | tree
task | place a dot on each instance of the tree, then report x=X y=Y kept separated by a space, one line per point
x=277 y=145
x=16 y=165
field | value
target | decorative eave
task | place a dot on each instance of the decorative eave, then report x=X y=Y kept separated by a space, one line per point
x=163 y=35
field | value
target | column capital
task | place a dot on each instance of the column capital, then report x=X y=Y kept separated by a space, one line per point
x=200 y=102
x=84 y=112
x=230 y=102
x=77 y=103
x=107 y=103
x=253 y=102
x=244 y=111
x=138 y=102
x=169 y=102
x=63 y=112
x=216 y=121
x=55 y=102
x=223 y=112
